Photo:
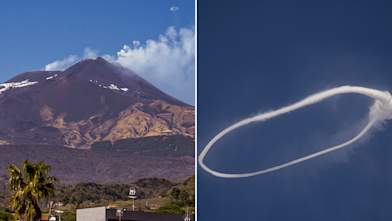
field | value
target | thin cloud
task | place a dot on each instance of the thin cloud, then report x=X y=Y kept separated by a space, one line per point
x=62 y=64
x=174 y=8
x=90 y=53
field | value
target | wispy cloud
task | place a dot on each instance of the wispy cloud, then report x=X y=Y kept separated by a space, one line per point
x=64 y=63
x=174 y=8
x=90 y=53
x=167 y=62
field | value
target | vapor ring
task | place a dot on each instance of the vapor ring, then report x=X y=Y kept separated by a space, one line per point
x=380 y=111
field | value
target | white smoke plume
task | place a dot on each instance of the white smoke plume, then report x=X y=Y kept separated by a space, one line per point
x=62 y=64
x=166 y=62
x=379 y=112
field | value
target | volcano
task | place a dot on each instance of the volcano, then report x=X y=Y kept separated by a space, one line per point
x=90 y=102
x=95 y=122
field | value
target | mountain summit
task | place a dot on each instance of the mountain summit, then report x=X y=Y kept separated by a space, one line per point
x=92 y=101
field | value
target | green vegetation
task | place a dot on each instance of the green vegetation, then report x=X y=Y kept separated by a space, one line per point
x=102 y=194
x=5 y=215
x=171 y=208
x=69 y=216
x=154 y=194
x=3 y=198
x=181 y=197
x=29 y=185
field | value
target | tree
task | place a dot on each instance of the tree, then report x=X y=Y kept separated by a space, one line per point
x=175 y=193
x=29 y=185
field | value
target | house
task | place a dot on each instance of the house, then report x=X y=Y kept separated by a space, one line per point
x=110 y=214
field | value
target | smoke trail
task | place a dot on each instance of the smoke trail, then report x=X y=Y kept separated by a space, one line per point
x=380 y=111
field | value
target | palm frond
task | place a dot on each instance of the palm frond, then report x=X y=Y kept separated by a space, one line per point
x=29 y=185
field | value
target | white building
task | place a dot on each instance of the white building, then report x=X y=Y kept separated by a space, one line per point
x=105 y=214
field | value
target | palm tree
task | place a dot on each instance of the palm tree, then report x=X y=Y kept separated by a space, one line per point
x=29 y=185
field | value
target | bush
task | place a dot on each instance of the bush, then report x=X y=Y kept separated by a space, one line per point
x=172 y=208
x=6 y=216
x=77 y=194
x=69 y=216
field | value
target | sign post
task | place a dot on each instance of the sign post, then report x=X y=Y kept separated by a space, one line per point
x=132 y=195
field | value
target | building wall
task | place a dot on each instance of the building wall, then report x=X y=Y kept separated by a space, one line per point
x=91 y=214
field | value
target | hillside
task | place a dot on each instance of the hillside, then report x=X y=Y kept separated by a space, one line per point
x=95 y=122
x=169 y=157
x=92 y=101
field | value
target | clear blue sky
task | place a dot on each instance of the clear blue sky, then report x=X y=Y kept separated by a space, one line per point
x=35 y=33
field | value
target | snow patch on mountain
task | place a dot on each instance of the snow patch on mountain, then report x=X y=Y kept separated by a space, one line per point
x=6 y=86
x=51 y=77
x=110 y=86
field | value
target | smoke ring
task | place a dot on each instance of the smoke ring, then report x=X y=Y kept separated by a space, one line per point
x=380 y=111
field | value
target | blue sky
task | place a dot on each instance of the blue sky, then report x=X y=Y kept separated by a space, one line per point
x=35 y=33
x=256 y=56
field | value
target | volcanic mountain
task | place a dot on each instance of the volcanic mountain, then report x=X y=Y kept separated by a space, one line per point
x=95 y=122
x=91 y=102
